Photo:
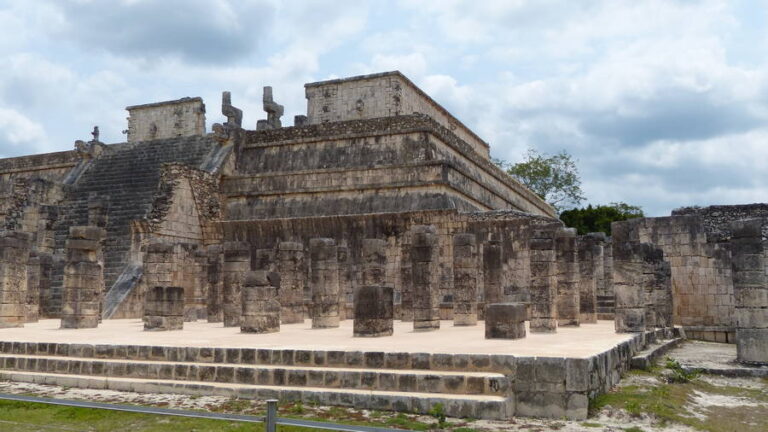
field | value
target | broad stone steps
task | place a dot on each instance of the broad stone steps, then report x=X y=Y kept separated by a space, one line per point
x=126 y=176
x=475 y=406
x=407 y=380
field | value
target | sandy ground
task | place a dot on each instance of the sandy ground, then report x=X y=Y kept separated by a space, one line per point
x=581 y=342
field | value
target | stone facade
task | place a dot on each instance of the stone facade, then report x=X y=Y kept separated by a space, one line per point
x=177 y=118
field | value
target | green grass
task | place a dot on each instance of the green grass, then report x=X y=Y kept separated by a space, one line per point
x=29 y=417
x=667 y=402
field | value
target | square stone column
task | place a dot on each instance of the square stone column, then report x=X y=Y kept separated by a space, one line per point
x=750 y=289
x=292 y=268
x=324 y=282
x=590 y=259
x=261 y=307
x=424 y=268
x=492 y=268
x=638 y=269
x=164 y=308
x=14 y=254
x=543 y=309
x=465 y=269
x=215 y=292
x=568 y=292
x=374 y=311
x=33 y=289
x=237 y=262
x=83 y=278
x=505 y=321
x=406 y=278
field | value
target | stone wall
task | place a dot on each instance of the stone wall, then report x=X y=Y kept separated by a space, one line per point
x=701 y=272
x=181 y=117
x=365 y=156
x=380 y=95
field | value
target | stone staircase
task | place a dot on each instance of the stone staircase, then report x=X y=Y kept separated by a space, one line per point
x=371 y=380
x=125 y=177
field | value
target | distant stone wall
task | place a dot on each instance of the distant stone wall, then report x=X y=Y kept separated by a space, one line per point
x=380 y=95
x=182 y=117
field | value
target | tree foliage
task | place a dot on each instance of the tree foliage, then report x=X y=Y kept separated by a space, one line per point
x=554 y=178
x=599 y=218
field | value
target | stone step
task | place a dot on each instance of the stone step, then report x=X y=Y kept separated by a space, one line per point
x=474 y=406
x=425 y=381
x=647 y=357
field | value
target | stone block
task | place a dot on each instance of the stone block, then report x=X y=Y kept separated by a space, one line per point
x=374 y=311
x=505 y=321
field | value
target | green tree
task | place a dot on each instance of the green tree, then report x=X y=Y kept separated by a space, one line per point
x=554 y=178
x=599 y=218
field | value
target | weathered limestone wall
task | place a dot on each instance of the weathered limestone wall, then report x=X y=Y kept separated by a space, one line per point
x=702 y=287
x=380 y=95
x=334 y=161
x=181 y=117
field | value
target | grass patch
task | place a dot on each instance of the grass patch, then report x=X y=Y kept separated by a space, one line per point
x=591 y=424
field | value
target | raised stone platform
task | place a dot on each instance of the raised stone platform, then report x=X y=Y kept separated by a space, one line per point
x=550 y=375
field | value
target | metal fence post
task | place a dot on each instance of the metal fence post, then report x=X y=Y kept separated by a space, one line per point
x=270 y=421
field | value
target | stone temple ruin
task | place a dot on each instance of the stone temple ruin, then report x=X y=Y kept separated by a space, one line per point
x=371 y=255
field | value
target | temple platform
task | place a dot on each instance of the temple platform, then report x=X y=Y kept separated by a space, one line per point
x=548 y=375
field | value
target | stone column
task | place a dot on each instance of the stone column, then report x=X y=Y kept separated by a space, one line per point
x=568 y=291
x=424 y=267
x=543 y=311
x=14 y=253
x=628 y=281
x=164 y=308
x=237 y=262
x=83 y=278
x=346 y=286
x=196 y=307
x=159 y=265
x=32 y=312
x=324 y=281
x=215 y=284
x=406 y=278
x=261 y=307
x=291 y=266
x=492 y=267
x=590 y=252
x=605 y=296
x=374 y=311
x=465 y=280
x=46 y=269
x=374 y=302
x=505 y=321
x=750 y=289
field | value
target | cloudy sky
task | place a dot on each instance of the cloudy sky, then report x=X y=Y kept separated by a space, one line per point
x=663 y=103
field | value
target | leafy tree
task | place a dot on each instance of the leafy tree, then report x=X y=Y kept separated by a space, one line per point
x=554 y=178
x=599 y=218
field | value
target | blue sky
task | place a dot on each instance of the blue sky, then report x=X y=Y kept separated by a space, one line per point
x=663 y=103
